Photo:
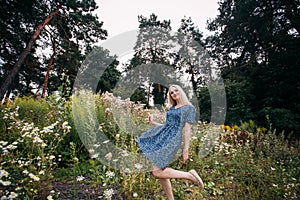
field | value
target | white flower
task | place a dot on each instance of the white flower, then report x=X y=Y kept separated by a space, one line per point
x=34 y=177
x=135 y=194
x=125 y=154
x=47 y=129
x=25 y=172
x=65 y=125
x=127 y=170
x=13 y=195
x=18 y=188
x=42 y=172
x=95 y=155
x=273 y=169
x=44 y=144
x=3 y=173
x=108 y=156
x=110 y=174
x=49 y=197
x=108 y=193
x=91 y=151
x=11 y=147
x=5 y=183
x=80 y=178
x=106 y=141
x=37 y=140
x=3 y=143
x=138 y=166
x=107 y=110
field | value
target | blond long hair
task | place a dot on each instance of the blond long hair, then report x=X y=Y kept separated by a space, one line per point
x=182 y=97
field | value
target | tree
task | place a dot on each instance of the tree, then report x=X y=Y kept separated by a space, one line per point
x=152 y=49
x=109 y=78
x=257 y=41
x=192 y=57
x=99 y=71
x=70 y=22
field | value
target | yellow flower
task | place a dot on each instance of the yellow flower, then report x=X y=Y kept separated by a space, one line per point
x=228 y=128
x=251 y=136
x=75 y=159
x=258 y=130
x=223 y=127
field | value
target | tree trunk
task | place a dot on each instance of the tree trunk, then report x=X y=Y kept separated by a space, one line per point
x=48 y=70
x=12 y=74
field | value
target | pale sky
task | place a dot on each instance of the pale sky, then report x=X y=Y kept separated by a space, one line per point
x=122 y=15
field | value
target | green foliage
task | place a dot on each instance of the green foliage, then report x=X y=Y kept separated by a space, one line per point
x=69 y=34
x=282 y=119
x=238 y=98
x=159 y=94
x=139 y=95
x=28 y=153
x=109 y=78
x=241 y=162
x=256 y=42
x=152 y=55
x=33 y=110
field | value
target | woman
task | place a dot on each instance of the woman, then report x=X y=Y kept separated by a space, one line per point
x=161 y=143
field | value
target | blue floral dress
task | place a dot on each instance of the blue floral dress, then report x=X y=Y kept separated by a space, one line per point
x=161 y=143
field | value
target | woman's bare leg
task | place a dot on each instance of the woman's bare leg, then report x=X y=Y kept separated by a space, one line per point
x=164 y=176
x=167 y=187
x=168 y=173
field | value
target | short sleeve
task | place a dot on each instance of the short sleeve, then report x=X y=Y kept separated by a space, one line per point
x=190 y=115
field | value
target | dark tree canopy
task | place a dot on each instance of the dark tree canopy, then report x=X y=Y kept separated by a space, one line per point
x=257 y=43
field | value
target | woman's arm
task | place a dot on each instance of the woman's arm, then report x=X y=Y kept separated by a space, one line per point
x=150 y=120
x=186 y=140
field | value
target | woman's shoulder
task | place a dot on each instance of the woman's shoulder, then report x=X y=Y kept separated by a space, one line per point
x=190 y=106
x=189 y=109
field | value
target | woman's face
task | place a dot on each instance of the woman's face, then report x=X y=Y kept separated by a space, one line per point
x=174 y=93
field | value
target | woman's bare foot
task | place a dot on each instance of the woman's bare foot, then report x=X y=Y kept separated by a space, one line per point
x=198 y=180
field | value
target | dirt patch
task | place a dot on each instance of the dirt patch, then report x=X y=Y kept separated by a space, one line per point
x=78 y=191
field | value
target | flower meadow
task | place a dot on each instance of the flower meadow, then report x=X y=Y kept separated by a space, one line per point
x=43 y=156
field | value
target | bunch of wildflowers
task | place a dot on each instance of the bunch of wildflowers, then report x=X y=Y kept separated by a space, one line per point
x=27 y=154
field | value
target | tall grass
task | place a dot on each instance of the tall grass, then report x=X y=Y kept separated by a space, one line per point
x=39 y=144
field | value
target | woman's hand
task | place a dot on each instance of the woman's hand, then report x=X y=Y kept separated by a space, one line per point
x=150 y=121
x=185 y=156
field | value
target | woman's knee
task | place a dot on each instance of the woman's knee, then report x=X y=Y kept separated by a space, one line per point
x=157 y=172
